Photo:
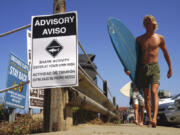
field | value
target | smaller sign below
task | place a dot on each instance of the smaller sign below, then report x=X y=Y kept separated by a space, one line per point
x=36 y=98
x=36 y=103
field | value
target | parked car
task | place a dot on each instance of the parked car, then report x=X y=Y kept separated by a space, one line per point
x=167 y=113
x=164 y=97
x=176 y=114
x=165 y=100
x=177 y=104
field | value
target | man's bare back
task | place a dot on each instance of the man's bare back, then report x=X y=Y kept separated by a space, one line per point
x=149 y=47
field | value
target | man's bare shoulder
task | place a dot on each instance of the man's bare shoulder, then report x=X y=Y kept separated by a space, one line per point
x=139 y=38
x=161 y=37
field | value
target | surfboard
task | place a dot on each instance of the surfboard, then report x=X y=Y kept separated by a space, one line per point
x=126 y=90
x=124 y=44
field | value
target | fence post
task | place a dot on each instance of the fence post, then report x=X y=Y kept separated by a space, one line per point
x=46 y=112
x=69 y=116
x=57 y=110
x=117 y=107
x=30 y=112
x=105 y=88
x=114 y=101
x=12 y=115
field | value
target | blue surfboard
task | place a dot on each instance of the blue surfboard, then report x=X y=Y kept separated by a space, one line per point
x=124 y=44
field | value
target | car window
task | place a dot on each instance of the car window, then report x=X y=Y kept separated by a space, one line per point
x=176 y=97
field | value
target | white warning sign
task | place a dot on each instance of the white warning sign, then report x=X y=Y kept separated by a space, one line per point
x=54 y=51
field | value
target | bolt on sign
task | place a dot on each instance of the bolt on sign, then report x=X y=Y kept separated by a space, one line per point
x=17 y=74
x=54 y=51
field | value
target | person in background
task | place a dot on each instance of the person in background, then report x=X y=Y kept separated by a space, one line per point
x=138 y=104
x=137 y=101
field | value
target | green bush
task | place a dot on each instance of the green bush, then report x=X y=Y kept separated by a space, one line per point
x=17 y=131
x=4 y=113
x=24 y=124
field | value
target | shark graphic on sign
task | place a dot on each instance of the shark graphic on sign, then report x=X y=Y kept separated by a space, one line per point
x=54 y=48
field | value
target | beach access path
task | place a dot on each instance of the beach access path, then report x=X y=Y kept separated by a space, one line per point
x=123 y=129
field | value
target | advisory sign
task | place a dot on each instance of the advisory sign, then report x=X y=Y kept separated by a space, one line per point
x=17 y=74
x=54 y=51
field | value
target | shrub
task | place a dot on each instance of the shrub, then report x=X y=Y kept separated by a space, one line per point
x=4 y=113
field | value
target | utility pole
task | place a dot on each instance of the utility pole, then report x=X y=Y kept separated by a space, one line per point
x=59 y=6
x=56 y=99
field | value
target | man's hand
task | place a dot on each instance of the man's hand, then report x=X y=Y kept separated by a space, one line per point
x=169 y=74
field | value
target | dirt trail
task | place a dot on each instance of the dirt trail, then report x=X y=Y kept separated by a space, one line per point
x=123 y=129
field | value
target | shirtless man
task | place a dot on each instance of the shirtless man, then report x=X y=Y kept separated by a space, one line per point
x=148 y=72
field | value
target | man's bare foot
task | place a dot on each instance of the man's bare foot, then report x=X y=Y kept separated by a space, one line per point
x=141 y=124
x=154 y=123
x=150 y=124
x=135 y=122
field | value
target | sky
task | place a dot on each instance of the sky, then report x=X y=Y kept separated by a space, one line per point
x=93 y=35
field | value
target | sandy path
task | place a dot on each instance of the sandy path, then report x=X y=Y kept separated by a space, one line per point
x=124 y=129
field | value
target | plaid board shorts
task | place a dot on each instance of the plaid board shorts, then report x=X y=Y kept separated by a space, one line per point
x=137 y=98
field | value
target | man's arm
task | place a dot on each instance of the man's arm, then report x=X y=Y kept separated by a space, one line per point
x=138 y=41
x=166 y=56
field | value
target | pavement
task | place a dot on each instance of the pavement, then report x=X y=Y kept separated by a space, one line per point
x=123 y=129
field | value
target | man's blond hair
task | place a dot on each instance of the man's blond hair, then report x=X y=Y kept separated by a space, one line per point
x=152 y=18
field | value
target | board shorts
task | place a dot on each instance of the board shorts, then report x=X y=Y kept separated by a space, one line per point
x=147 y=74
x=138 y=98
